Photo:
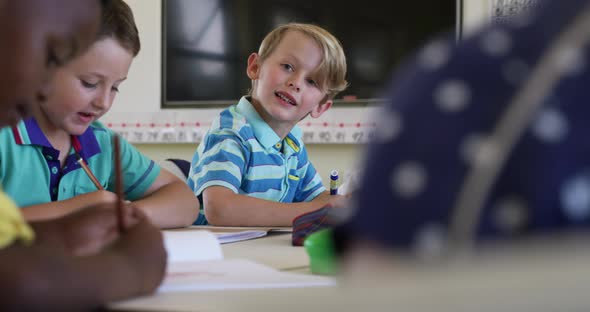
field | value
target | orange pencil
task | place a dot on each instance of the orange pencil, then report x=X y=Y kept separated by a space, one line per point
x=118 y=183
x=88 y=172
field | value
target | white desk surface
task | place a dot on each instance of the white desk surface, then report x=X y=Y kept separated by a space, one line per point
x=552 y=276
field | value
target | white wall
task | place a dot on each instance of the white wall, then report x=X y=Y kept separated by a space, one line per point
x=141 y=91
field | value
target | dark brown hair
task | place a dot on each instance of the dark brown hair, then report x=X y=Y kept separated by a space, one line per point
x=118 y=23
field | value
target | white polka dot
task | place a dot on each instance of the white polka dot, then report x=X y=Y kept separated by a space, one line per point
x=480 y=151
x=510 y=214
x=575 y=198
x=452 y=96
x=496 y=43
x=551 y=126
x=430 y=242
x=389 y=125
x=570 y=61
x=470 y=146
x=409 y=179
x=435 y=55
x=515 y=71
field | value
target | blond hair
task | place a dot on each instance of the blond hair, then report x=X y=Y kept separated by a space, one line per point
x=332 y=69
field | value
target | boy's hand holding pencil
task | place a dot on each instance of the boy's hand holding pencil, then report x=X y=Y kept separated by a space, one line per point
x=89 y=230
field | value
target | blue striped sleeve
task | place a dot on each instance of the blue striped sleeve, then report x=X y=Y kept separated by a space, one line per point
x=220 y=160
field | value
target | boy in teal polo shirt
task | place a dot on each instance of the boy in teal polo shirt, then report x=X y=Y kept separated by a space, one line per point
x=38 y=159
x=37 y=165
x=252 y=168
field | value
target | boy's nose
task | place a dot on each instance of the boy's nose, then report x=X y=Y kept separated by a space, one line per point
x=101 y=102
x=294 y=86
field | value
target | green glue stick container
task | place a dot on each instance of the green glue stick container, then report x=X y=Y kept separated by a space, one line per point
x=321 y=251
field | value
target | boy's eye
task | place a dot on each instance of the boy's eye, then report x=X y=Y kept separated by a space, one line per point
x=312 y=82
x=287 y=67
x=115 y=89
x=87 y=84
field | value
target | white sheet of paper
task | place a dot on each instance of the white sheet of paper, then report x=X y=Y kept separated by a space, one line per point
x=232 y=237
x=234 y=274
x=195 y=263
x=191 y=246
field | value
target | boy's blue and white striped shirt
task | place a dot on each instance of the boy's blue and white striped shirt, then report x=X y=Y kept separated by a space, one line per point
x=243 y=153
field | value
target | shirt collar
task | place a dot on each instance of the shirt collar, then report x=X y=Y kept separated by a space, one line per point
x=28 y=132
x=263 y=132
x=31 y=133
x=89 y=143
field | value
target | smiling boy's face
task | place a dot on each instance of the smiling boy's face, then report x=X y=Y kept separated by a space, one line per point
x=85 y=88
x=41 y=35
x=288 y=88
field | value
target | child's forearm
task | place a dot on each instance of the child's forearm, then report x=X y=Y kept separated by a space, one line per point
x=172 y=205
x=225 y=208
x=61 y=208
x=323 y=199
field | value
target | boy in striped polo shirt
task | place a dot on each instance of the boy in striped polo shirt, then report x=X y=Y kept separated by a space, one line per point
x=252 y=169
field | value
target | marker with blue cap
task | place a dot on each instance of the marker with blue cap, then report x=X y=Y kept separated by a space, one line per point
x=334 y=182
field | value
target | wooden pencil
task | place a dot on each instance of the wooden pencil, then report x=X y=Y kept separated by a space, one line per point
x=119 y=183
x=88 y=172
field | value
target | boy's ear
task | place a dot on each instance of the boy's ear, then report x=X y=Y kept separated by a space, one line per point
x=253 y=68
x=320 y=109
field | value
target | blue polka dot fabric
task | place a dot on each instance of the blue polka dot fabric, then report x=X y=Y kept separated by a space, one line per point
x=492 y=132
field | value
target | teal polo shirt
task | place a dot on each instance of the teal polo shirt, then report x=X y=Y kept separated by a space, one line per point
x=243 y=153
x=30 y=172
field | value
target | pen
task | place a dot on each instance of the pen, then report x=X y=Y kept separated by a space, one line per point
x=334 y=182
x=118 y=183
x=89 y=173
